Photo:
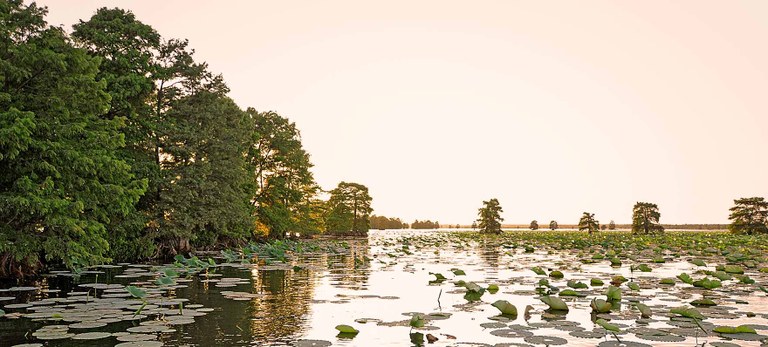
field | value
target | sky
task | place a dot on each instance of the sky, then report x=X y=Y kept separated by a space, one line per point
x=552 y=107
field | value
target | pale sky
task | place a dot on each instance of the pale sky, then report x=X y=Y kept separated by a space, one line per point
x=553 y=107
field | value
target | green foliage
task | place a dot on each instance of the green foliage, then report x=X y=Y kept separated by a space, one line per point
x=554 y=303
x=645 y=311
x=613 y=293
x=417 y=321
x=425 y=224
x=381 y=222
x=490 y=217
x=282 y=180
x=749 y=216
x=600 y=306
x=61 y=180
x=346 y=329
x=645 y=218
x=587 y=222
x=505 y=307
x=349 y=208
x=607 y=326
x=741 y=329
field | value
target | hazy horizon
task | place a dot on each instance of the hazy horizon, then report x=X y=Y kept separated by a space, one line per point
x=552 y=109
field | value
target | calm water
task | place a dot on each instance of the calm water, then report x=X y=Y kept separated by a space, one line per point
x=294 y=304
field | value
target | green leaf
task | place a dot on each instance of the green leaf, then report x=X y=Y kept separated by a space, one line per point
x=346 y=329
x=613 y=293
x=741 y=329
x=493 y=288
x=417 y=321
x=733 y=269
x=556 y=274
x=698 y=262
x=164 y=281
x=136 y=292
x=633 y=286
x=703 y=302
x=707 y=283
x=607 y=326
x=438 y=276
x=685 y=278
x=554 y=303
x=596 y=282
x=576 y=285
x=539 y=271
x=171 y=273
x=569 y=292
x=645 y=311
x=458 y=272
x=600 y=306
x=2 y=313
x=667 y=281
x=687 y=312
x=505 y=307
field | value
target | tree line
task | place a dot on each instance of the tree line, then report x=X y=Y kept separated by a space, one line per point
x=116 y=144
x=748 y=216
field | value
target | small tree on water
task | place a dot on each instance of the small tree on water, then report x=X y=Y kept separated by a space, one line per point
x=534 y=225
x=490 y=217
x=588 y=222
x=645 y=218
x=749 y=216
x=553 y=225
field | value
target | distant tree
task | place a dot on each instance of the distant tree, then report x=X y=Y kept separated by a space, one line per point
x=588 y=222
x=474 y=225
x=603 y=227
x=645 y=218
x=490 y=217
x=534 y=225
x=381 y=222
x=612 y=225
x=349 y=209
x=426 y=224
x=749 y=216
x=553 y=225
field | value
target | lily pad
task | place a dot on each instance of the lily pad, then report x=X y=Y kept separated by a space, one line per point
x=505 y=307
x=554 y=303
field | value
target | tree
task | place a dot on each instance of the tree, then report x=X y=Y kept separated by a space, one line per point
x=588 y=222
x=645 y=218
x=207 y=202
x=349 y=208
x=282 y=181
x=534 y=225
x=474 y=225
x=553 y=225
x=612 y=225
x=61 y=180
x=127 y=49
x=490 y=217
x=749 y=216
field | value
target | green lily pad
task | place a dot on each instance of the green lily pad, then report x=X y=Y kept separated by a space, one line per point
x=346 y=329
x=505 y=307
x=613 y=293
x=554 y=303
x=600 y=306
x=741 y=329
x=607 y=326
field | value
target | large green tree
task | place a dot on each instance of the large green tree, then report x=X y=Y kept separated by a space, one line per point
x=128 y=49
x=490 y=217
x=645 y=218
x=349 y=208
x=61 y=179
x=207 y=201
x=749 y=216
x=587 y=222
x=284 y=186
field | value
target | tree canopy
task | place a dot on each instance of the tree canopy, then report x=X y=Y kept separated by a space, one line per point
x=349 y=208
x=490 y=217
x=749 y=216
x=645 y=218
x=587 y=222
